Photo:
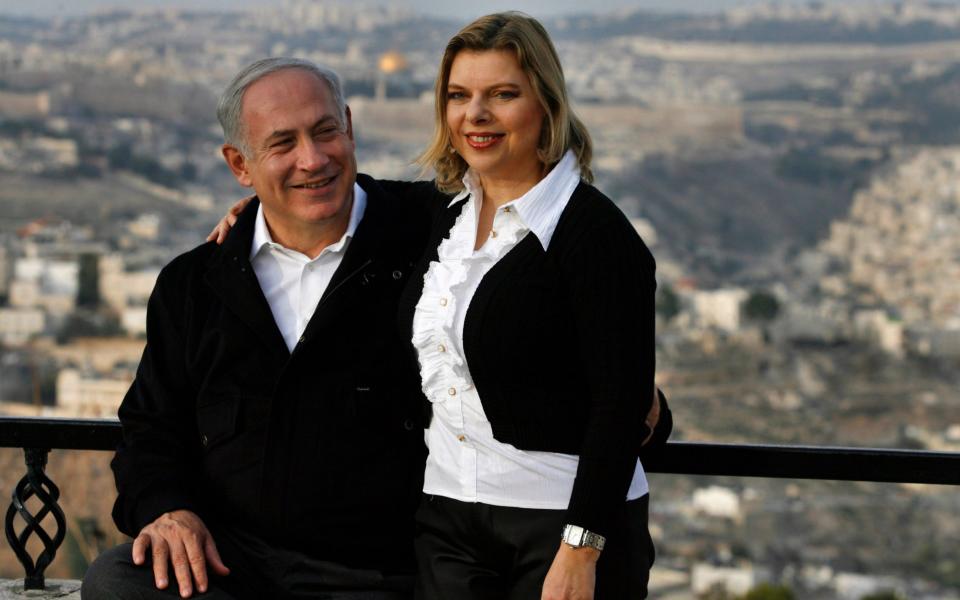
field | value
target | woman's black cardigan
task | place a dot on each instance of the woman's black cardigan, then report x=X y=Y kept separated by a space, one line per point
x=560 y=345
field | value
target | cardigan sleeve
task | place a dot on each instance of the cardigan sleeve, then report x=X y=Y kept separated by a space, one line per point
x=156 y=463
x=612 y=285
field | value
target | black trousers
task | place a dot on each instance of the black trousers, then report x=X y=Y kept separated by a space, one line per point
x=257 y=572
x=472 y=551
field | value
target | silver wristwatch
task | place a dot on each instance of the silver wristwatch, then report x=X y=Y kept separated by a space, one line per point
x=578 y=537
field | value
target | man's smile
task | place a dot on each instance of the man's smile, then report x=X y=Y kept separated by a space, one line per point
x=315 y=183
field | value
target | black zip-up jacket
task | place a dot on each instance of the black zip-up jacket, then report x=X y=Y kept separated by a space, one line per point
x=319 y=450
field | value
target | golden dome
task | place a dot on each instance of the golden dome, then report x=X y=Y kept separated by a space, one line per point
x=392 y=61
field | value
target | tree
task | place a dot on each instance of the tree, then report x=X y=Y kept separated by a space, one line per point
x=769 y=591
x=667 y=302
x=88 y=291
x=760 y=305
x=883 y=595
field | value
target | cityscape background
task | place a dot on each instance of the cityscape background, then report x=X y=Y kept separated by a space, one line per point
x=795 y=169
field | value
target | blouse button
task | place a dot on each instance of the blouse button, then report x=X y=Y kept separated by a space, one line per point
x=441 y=348
x=462 y=438
x=493 y=233
x=443 y=301
x=507 y=209
x=452 y=391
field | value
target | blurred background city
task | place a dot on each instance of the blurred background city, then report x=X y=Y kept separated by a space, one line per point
x=795 y=169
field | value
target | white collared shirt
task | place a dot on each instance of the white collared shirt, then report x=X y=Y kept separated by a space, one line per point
x=465 y=462
x=292 y=282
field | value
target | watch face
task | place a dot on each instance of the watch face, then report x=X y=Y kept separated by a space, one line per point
x=575 y=535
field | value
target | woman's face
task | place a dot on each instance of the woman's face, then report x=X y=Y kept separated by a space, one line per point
x=494 y=116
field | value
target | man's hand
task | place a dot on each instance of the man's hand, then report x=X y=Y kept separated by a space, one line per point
x=573 y=574
x=653 y=416
x=181 y=538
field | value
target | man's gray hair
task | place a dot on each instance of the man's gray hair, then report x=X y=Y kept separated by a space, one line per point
x=230 y=104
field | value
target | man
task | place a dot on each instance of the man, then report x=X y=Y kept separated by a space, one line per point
x=272 y=447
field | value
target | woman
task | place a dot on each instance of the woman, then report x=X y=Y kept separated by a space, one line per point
x=532 y=327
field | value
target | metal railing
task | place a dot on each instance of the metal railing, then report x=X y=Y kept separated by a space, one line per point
x=38 y=437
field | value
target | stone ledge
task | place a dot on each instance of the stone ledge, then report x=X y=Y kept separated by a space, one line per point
x=62 y=589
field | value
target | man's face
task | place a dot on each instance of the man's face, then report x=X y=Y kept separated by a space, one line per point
x=301 y=156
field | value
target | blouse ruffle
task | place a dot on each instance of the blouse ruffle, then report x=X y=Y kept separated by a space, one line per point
x=434 y=327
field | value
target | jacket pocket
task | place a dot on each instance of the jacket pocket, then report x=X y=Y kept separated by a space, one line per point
x=217 y=421
x=232 y=432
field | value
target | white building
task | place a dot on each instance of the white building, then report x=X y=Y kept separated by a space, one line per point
x=18 y=325
x=133 y=319
x=45 y=283
x=874 y=325
x=719 y=308
x=735 y=580
x=121 y=289
x=88 y=395
x=717 y=501
x=853 y=586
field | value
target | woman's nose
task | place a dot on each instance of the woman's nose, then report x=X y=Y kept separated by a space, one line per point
x=477 y=111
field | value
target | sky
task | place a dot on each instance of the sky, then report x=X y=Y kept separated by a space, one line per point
x=462 y=9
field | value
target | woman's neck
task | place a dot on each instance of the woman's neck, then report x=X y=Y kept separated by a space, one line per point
x=497 y=191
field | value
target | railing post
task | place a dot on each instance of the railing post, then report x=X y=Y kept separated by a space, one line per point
x=35 y=483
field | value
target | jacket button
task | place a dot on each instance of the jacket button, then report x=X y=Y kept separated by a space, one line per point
x=204 y=440
x=397 y=274
x=408 y=424
x=302 y=339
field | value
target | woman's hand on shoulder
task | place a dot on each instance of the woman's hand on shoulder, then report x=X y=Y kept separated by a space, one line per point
x=653 y=417
x=219 y=233
x=573 y=574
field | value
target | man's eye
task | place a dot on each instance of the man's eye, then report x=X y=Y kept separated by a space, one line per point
x=327 y=133
x=281 y=143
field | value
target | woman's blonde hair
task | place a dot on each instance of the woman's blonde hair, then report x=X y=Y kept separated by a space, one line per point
x=531 y=44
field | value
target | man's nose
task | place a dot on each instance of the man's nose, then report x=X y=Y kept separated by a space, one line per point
x=311 y=155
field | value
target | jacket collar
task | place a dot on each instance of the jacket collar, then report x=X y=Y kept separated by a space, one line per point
x=233 y=280
x=231 y=277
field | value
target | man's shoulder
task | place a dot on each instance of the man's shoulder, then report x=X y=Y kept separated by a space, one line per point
x=190 y=264
x=401 y=190
x=419 y=199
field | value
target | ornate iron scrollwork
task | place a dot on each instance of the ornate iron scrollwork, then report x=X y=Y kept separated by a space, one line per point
x=35 y=483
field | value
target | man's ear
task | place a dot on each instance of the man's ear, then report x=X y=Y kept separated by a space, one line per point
x=346 y=112
x=238 y=164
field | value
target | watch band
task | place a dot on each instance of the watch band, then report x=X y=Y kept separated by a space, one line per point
x=578 y=537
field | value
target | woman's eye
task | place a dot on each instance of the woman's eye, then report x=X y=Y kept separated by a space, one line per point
x=455 y=95
x=507 y=95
